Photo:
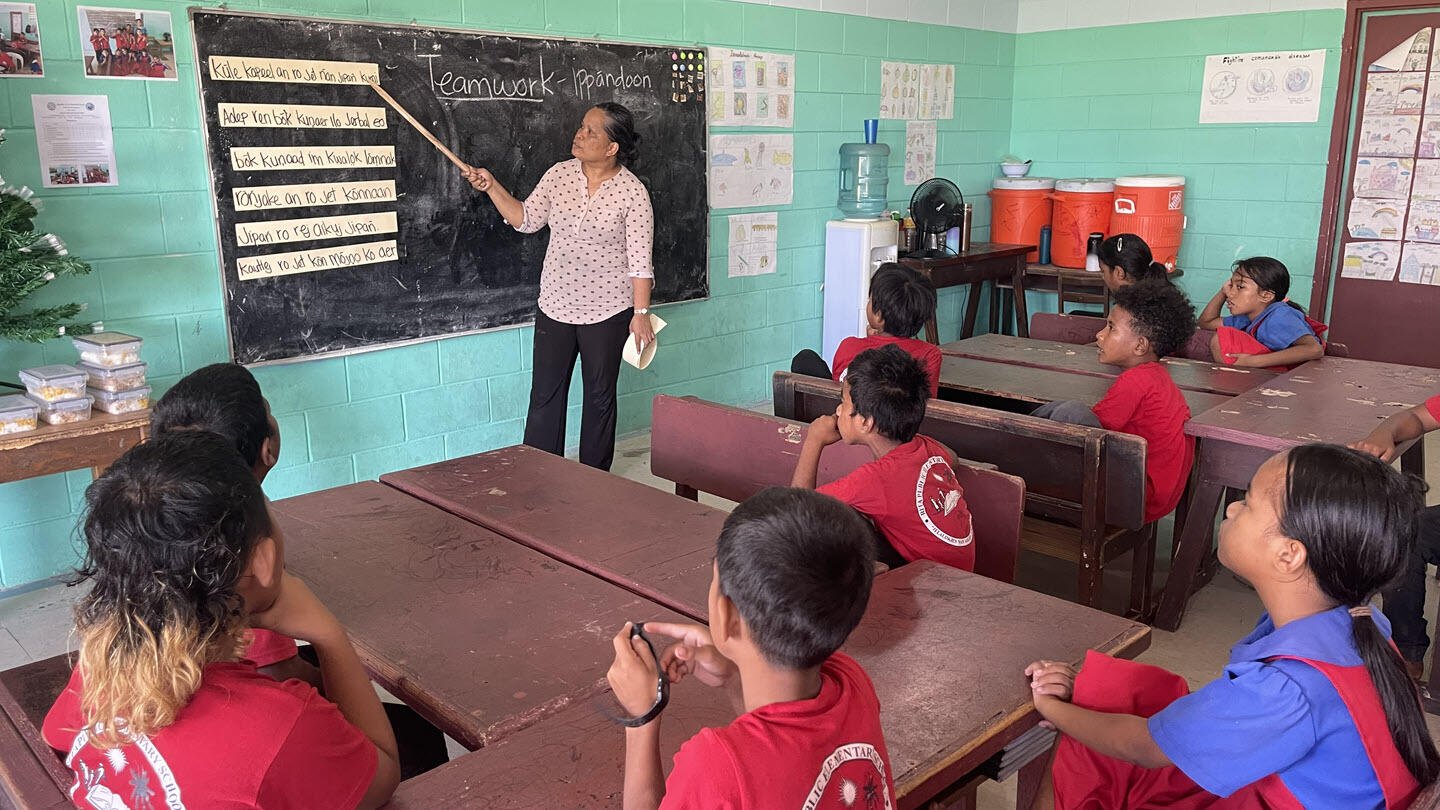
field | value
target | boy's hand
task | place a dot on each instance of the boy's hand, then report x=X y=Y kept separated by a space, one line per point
x=1379 y=444
x=824 y=431
x=1245 y=360
x=1051 y=682
x=694 y=654
x=298 y=613
x=634 y=673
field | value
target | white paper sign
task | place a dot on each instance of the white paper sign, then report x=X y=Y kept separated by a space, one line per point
x=77 y=146
x=1274 y=87
x=1371 y=260
x=751 y=88
x=753 y=239
x=919 y=151
x=1421 y=264
x=751 y=170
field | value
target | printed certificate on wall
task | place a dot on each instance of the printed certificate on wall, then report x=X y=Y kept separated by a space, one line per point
x=77 y=146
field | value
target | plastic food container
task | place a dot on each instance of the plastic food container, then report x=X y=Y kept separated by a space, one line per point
x=17 y=413
x=109 y=349
x=117 y=378
x=67 y=411
x=121 y=401
x=54 y=383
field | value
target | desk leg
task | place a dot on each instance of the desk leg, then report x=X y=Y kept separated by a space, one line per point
x=1022 y=315
x=932 y=332
x=972 y=310
x=1033 y=780
x=1194 y=543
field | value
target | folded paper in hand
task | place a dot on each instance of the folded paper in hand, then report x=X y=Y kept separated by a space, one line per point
x=638 y=357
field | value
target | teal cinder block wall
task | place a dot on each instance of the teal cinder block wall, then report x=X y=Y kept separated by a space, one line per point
x=152 y=243
x=1101 y=102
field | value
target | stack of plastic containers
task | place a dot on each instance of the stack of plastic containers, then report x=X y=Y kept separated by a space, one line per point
x=58 y=392
x=117 y=374
x=110 y=376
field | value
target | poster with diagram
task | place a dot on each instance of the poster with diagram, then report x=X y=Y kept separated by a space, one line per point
x=751 y=170
x=1272 y=87
x=751 y=88
x=910 y=91
x=1371 y=260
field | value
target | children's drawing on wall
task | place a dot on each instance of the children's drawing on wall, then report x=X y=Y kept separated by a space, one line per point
x=1429 y=139
x=750 y=88
x=1375 y=219
x=1427 y=180
x=1381 y=90
x=1424 y=222
x=920 y=141
x=126 y=43
x=1388 y=135
x=1411 y=53
x=1410 y=99
x=750 y=170
x=1371 y=260
x=753 y=242
x=1384 y=177
x=1421 y=264
x=20 y=48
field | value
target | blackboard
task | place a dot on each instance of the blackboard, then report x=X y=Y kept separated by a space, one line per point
x=446 y=263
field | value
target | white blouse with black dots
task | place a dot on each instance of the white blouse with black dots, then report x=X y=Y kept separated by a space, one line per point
x=597 y=243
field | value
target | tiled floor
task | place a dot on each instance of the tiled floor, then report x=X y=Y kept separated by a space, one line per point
x=37 y=624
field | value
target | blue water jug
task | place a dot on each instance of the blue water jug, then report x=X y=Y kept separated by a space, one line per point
x=864 y=179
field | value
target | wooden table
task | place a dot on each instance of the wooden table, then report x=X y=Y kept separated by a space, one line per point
x=984 y=261
x=93 y=443
x=1190 y=375
x=479 y=634
x=952 y=697
x=1332 y=399
x=649 y=542
x=983 y=382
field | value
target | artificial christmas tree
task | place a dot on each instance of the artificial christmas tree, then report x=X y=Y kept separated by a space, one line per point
x=29 y=260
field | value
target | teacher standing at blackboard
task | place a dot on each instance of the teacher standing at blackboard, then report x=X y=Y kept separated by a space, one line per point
x=596 y=280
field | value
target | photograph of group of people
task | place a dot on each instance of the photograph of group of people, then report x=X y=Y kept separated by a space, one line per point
x=127 y=43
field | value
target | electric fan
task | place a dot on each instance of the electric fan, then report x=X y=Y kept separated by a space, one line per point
x=936 y=207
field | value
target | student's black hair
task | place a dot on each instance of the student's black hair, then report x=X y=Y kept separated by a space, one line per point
x=620 y=128
x=223 y=398
x=798 y=566
x=1359 y=519
x=1160 y=313
x=169 y=529
x=903 y=297
x=1269 y=275
x=889 y=386
x=1130 y=255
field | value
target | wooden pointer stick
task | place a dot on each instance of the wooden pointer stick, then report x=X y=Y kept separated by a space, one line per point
x=463 y=166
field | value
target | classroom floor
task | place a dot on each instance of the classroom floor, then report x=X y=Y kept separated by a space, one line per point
x=36 y=624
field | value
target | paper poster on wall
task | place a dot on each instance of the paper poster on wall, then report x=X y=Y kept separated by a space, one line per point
x=1375 y=219
x=1423 y=224
x=1388 y=135
x=1427 y=180
x=76 y=144
x=1411 y=53
x=20 y=48
x=753 y=241
x=751 y=88
x=126 y=43
x=1371 y=260
x=919 y=151
x=1273 y=87
x=899 y=90
x=751 y=170
x=1384 y=177
x=1420 y=264
x=937 y=91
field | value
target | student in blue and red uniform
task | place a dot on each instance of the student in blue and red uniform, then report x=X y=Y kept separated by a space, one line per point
x=791 y=579
x=1264 y=329
x=909 y=491
x=1314 y=708
x=182 y=555
x=901 y=301
x=1148 y=320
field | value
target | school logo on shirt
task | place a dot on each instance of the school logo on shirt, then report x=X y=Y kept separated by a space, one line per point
x=112 y=780
x=937 y=493
x=852 y=777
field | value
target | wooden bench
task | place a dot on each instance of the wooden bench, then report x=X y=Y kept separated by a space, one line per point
x=32 y=774
x=1082 y=329
x=1085 y=487
x=733 y=453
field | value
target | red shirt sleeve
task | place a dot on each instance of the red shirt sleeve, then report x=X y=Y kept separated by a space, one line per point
x=1433 y=406
x=858 y=489
x=267 y=647
x=702 y=777
x=324 y=762
x=1118 y=406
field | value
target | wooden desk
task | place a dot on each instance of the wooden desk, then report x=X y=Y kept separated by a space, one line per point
x=979 y=381
x=649 y=542
x=94 y=443
x=479 y=634
x=950 y=697
x=984 y=261
x=1332 y=399
x=1190 y=375
x=31 y=774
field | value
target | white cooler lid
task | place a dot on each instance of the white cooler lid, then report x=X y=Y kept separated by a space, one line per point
x=1085 y=184
x=1150 y=180
x=1024 y=183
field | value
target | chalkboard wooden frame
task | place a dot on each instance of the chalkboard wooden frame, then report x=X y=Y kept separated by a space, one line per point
x=468 y=271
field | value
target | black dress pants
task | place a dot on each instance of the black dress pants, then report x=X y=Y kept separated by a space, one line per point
x=1405 y=598
x=557 y=344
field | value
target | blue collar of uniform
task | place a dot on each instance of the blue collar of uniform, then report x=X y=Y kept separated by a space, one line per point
x=1323 y=637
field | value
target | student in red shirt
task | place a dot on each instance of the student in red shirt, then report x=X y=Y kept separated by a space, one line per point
x=791 y=579
x=909 y=491
x=182 y=555
x=1148 y=320
x=901 y=301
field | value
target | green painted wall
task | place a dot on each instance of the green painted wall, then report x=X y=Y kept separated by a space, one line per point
x=1099 y=102
x=153 y=245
